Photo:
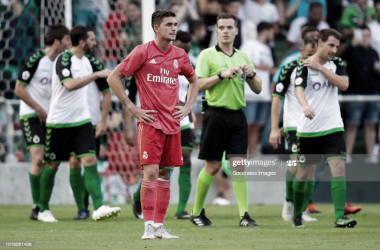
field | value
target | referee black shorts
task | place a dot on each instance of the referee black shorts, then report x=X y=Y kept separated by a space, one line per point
x=223 y=130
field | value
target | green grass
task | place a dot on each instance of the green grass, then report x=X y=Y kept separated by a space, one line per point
x=125 y=231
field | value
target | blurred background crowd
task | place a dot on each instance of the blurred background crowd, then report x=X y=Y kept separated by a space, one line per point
x=270 y=30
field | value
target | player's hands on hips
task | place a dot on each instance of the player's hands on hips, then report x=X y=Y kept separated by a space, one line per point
x=101 y=129
x=230 y=73
x=308 y=111
x=275 y=138
x=129 y=136
x=41 y=113
x=103 y=73
x=142 y=114
x=247 y=70
x=312 y=63
x=181 y=113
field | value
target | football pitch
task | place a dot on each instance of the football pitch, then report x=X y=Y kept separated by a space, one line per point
x=125 y=231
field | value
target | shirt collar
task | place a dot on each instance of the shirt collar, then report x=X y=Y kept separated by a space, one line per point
x=220 y=50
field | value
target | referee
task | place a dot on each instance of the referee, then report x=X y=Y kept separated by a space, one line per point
x=223 y=71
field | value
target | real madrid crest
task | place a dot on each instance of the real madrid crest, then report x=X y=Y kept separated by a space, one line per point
x=175 y=64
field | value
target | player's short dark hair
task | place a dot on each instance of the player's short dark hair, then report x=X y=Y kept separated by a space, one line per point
x=309 y=40
x=78 y=33
x=226 y=15
x=55 y=31
x=183 y=36
x=195 y=25
x=158 y=15
x=326 y=33
x=308 y=29
x=315 y=5
x=263 y=26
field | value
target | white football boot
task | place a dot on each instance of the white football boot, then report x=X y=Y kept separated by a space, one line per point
x=105 y=212
x=163 y=233
x=306 y=217
x=46 y=216
x=287 y=211
x=148 y=233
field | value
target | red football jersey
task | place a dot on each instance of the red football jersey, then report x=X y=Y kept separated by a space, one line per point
x=156 y=75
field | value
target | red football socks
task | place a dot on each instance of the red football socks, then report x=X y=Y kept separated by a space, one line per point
x=148 y=199
x=163 y=197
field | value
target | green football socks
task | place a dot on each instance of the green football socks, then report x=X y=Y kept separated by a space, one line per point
x=35 y=188
x=299 y=189
x=92 y=183
x=47 y=184
x=240 y=185
x=184 y=182
x=308 y=193
x=77 y=186
x=289 y=185
x=338 y=194
x=203 y=183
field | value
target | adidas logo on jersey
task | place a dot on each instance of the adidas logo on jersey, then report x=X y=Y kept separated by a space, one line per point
x=152 y=61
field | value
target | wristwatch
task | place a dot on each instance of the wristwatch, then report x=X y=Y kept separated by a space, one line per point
x=220 y=76
x=251 y=77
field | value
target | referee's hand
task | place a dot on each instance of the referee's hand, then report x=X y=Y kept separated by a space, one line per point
x=142 y=114
x=230 y=73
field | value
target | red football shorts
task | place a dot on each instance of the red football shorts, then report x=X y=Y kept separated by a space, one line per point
x=155 y=147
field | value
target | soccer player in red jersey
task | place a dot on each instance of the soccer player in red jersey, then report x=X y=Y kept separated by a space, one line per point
x=156 y=66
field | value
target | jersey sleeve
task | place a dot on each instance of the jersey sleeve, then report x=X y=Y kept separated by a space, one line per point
x=276 y=76
x=29 y=68
x=202 y=69
x=284 y=80
x=187 y=69
x=63 y=67
x=301 y=76
x=340 y=68
x=98 y=66
x=132 y=62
